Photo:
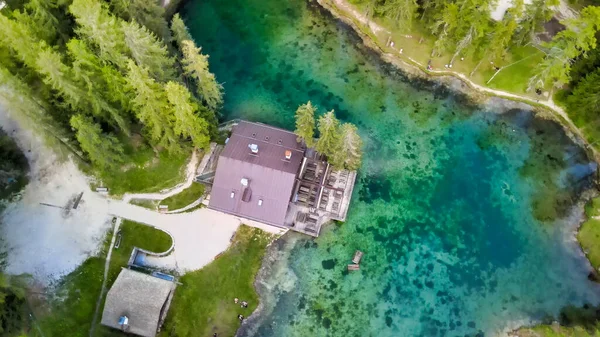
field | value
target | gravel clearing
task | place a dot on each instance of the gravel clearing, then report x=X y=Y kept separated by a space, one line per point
x=49 y=241
x=44 y=241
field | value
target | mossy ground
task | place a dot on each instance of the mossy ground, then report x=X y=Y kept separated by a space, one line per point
x=589 y=233
x=204 y=304
x=147 y=171
x=186 y=197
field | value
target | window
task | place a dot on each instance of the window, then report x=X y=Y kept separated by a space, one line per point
x=232 y=195
x=260 y=202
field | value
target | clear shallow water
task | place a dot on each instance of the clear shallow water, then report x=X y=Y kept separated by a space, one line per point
x=458 y=208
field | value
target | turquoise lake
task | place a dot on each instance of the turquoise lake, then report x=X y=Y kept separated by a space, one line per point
x=464 y=212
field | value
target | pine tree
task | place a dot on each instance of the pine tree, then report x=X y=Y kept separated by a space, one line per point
x=195 y=65
x=536 y=14
x=148 y=51
x=305 y=124
x=576 y=40
x=148 y=13
x=105 y=100
x=402 y=12
x=19 y=37
x=329 y=139
x=102 y=29
x=27 y=106
x=151 y=107
x=59 y=76
x=104 y=150
x=180 y=31
x=584 y=102
x=351 y=146
x=184 y=116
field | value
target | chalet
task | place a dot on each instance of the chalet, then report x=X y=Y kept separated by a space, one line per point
x=264 y=174
x=137 y=303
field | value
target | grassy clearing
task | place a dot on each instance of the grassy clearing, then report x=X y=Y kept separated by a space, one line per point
x=146 y=203
x=134 y=234
x=186 y=197
x=204 y=303
x=556 y=331
x=70 y=309
x=592 y=208
x=589 y=238
x=147 y=172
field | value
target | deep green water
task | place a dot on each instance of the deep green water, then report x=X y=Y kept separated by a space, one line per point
x=461 y=210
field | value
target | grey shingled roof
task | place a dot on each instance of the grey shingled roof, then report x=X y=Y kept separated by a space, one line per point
x=271 y=177
x=138 y=296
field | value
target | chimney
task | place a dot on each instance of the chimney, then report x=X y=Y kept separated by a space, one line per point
x=288 y=154
x=253 y=148
x=124 y=323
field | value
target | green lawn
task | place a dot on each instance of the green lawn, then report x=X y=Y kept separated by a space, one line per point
x=147 y=172
x=186 y=197
x=134 y=234
x=556 y=331
x=204 y=303
x=70 y=311
x=146 y=203
x=589 y=238
x=592 y=208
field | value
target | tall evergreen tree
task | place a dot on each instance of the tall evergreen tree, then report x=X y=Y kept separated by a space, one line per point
x=148 y=13
x=584 y=102
x=195 y=65
x=184 y=116
x=148 y=51
x=102 y=29
x=329 y=138
x=28 y=107
x=535 y=15
x=351 y=146
x=104 y=150
x=180 y=31
x=151 y=107
x=19 y=37
x=105 y=100
x=576 y=40
x=305 y=124
x=402 y=12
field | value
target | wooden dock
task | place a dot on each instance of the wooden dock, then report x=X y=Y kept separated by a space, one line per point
x=355 y=261
x=357 y=257
x=353 y=267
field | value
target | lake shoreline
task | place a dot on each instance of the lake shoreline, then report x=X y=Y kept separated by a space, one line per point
x=455 y=81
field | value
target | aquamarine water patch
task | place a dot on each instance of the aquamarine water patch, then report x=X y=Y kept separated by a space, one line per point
x=460 y=209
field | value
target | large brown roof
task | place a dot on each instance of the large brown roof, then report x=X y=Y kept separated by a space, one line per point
x=141 y=298
x=269 y=175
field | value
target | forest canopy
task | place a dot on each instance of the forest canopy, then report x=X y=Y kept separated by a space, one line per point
x=91 y=74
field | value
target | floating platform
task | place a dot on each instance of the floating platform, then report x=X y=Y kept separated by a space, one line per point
x=357 y=257
x=353 y=267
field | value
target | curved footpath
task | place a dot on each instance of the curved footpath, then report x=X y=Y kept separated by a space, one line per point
x=344 y=11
